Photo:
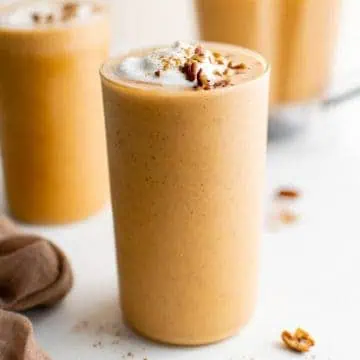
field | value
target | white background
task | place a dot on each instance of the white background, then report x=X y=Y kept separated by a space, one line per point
x=310 y=271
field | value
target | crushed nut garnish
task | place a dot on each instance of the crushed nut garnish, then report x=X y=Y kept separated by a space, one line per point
x=228 y=72
x=193 y=64
x=188 y=52
x=69 y=10
x=284 y=208
x=240 y=66
x=202 y=80
x=190 y=70
x=199 y=51
x=222 y=83
x=287 y=193
x=300 y=341
x=288 y=217
x=198 y=58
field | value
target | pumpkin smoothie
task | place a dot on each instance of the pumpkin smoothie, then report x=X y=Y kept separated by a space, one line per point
x=51 y=114
x=186 y=135
x=297 y=37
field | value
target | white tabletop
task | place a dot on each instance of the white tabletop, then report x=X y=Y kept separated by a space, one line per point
x=309 y=273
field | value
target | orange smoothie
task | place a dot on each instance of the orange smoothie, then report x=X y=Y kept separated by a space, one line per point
x=297 y=37
x=186 y=135
x=51 y=114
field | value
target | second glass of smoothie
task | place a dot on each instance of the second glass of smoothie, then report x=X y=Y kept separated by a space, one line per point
x=51 y=113
x=297 y=37
x=186 y=134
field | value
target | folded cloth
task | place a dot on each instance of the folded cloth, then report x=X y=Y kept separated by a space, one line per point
x=17 y=339
x=33 y=271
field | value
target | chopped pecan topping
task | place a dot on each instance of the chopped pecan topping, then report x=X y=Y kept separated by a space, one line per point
x=190 y=70
x=199 y=51
x=240 y=66
x=198 y=58
x=300 y=341
x=187 y=52
x=228 y=72
x=201 y=78
x=193 y=68
x=70 y=6
x=217 y=73
x=69 y=10
x=222 y=83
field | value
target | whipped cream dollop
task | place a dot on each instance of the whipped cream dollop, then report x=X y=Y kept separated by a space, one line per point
x=42 y=12
x=182 y=64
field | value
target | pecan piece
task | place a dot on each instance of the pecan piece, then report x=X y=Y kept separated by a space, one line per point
x=69 y=10
x=288 y=217
x=300 y=341
x=190 y=71
x=199 y=50
x=287 y=193
x=201 y=78
x=240 y=66
x=222 y=83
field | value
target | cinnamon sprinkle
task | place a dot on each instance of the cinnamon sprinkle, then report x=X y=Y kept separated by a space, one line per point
x=50 y=18
x=36 y=18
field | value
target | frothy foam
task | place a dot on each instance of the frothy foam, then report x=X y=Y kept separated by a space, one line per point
x=164 y=66
x=22 y=16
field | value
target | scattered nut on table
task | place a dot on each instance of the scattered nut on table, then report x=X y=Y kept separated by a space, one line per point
x=300 y=341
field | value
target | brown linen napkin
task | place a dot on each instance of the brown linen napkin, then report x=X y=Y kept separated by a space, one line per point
x=33 y=271
x=17 y=339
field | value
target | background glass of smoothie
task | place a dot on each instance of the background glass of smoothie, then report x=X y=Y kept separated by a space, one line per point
x=52 y=131
x=296 y=36
x=186 y=136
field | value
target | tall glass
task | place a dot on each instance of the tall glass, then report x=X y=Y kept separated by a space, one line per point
x=187 y=173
